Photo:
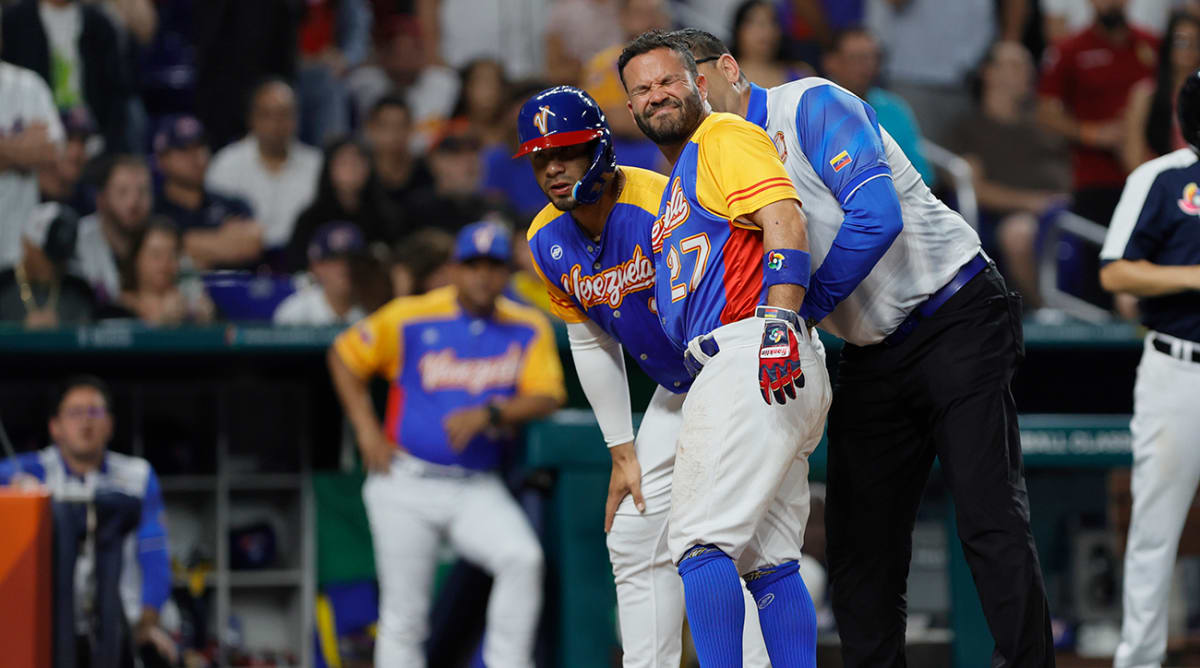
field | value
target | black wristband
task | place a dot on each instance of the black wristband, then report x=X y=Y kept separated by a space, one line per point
x=494 y=416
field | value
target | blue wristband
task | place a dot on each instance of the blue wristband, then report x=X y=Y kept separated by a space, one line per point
x=786 y=266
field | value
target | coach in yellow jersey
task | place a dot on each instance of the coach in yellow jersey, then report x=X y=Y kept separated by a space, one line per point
x=466 y=366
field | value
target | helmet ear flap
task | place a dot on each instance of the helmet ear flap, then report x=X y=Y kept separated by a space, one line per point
x=604 y=164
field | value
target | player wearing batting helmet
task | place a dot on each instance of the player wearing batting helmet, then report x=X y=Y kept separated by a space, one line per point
x=1153 y=251
x=591 y=245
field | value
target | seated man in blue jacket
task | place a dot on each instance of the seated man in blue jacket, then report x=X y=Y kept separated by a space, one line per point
x=78 y=461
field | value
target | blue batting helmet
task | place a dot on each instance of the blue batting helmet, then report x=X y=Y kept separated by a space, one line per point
x=566 y=116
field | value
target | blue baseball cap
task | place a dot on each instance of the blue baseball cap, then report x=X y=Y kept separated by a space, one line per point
x=179 y=132
x=334 y=239
x=484 y=239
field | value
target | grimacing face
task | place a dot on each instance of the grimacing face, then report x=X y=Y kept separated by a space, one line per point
x=558 y=169
x=666 y=103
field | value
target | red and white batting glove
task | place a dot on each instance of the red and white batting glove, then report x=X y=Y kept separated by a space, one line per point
x=779 y=372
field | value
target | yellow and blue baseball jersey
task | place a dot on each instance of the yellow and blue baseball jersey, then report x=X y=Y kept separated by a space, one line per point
x=708 y=258
x=440 y=359
x=611 y=281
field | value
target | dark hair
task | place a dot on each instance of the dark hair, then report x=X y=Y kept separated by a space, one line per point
x=129 y=279
x=464 y=75
x=262 y=85
x=741 y=15
x=1162 y=104
x=653 y=40
x=841 y=35
x=82 y=380
x=111 y=165
x=701 y=43
x=393 y=99
x=424 y=252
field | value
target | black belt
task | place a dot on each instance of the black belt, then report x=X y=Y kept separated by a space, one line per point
x=937 y=300
x=1164 y=346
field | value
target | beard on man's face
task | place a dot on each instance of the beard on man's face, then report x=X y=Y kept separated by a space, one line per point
x=672 y=129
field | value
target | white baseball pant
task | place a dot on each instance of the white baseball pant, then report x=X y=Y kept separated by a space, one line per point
x=1166 y=471
x=741 y=466
x=649 y=591
x=410 y=509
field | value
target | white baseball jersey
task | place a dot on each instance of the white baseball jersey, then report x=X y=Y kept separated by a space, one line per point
x=806 y=121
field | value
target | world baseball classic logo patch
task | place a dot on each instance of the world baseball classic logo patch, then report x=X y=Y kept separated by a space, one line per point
x=775 y=261
x=1190 y=202
x=839 y=161
x=780 y=146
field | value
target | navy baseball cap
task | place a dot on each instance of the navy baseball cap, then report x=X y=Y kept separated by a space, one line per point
x=77 y=123
x=179 y=132
x=484 y=239
x=334 y=239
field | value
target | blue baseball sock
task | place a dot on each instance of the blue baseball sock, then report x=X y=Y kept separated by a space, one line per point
x=716 y=610
x=786 y=615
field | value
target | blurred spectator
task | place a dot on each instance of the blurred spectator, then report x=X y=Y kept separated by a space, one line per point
x=933 y=46
x=343 y=193
x=330 y=298
x=398 y=172
x=151 y=289
x=334 y=36
x=712 y=16
x=600 y=76
x=576 y=31
x=62 y=181
x=525 y=285
x=73 y=46
x=429 y=89
x=218 y=231
x=269 y=168
x=758 y=45
x=481 y=100
x=136 y=23
x=513 y=179
x=456 y=197
x=853 y=62
x=423 y=262
x=238 y=45
x=1021 y=171
x=456 y=32
x=106 y=237
x=1151 y=127
x=1083 y=92
x=1063 y=18
x=38 y=291
x=31 y=137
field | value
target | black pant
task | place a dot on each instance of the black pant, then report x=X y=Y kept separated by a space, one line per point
x=944 y=391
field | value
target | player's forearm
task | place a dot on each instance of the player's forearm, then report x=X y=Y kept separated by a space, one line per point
x=784 y=226
x=523 y=408
x=233 y=243
x=355 y=397
x=1146 y=279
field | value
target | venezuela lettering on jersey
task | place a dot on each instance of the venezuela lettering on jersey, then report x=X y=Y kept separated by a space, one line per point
x=675 y=214
x=443 y=370
x=612 y=284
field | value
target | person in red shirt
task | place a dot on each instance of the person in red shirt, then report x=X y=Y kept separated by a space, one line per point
x=1085 y=85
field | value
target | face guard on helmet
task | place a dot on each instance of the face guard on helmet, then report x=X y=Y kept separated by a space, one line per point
x=566 y=116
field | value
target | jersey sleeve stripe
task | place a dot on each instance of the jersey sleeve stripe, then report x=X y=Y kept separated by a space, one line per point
x=736 y=195
x=1129 y=207
x=782 y=183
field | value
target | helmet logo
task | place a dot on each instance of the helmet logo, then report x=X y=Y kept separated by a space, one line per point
x=484 y=236
x=542 y=118
x=1190 y=202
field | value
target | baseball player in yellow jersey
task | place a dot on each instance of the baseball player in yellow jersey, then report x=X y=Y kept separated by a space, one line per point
x=465 y=365
x=591 y=246
x=731 y=255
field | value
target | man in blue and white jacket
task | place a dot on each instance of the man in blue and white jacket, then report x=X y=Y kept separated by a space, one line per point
x=78 y=460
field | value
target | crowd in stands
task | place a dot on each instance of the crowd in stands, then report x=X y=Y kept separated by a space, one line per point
x=303 y=161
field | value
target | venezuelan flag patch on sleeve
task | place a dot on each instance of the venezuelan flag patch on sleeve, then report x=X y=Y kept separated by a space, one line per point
x=839 y=161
